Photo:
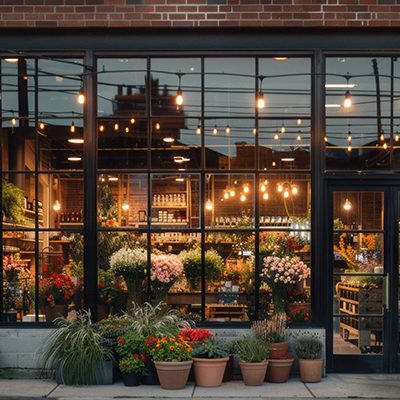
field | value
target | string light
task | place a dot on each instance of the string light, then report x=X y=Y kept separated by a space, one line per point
x=246 y=188
x=226 y=195
x=295 y=190
x=56 y=206
x=158 y=126
x=273 y=163
x=283 y=129
x=382 y=137
x=133 y=121
x=347 y=205
x=179 y=93
x=260 y=100
x=263 y=188
x=81 y=96
x=228 y=130
x=116 y=126
x=298 y=137
x=265 y=196
x=347 y=100
x=125 y=206
x=385 y=146
x=209 y=205
x=254 y=131
x=349 y=137
x=349 y=149
x=41 y=125
x=215 y=130
x=286 y=194
x=101 y=128
x=72 y=127
x=276 y=136
x=232 y=193
x=326 y=138
x=126 y=129
x=299 y=121
x=242 y=197
x=280 y=187
x=13 y=121
x=198 y=130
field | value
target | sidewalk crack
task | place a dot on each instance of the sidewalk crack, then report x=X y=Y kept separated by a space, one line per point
x=309 y=390
x=51 y=391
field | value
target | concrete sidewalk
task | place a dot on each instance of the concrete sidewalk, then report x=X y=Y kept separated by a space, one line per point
x=334 y=386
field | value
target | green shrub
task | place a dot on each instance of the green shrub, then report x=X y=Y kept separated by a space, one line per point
x=253 y=350
x=209 y=348
x=309 y=348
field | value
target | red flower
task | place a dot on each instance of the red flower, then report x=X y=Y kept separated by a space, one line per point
x=143 y=358
x=120 y=340
x=135 y=356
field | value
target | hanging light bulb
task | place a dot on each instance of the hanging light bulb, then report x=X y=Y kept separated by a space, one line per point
x=13 y=121
x=125 y=206
x=396 y=138
x=286 y=194
x=276 y=136
x=298 y=138
x=132 y=121
x=209 y=205
x=228 y=129
x=158 y=126
x=273 y=163
x=41 y=125
x=263 y=188
x=347 y=100
x=295 y=190
x=326 y=138
x=349 y=149
x=242 y=197
x=349 y=137
x=265 y=196
x=101 y=128
x=116 y=126
x=254 y=131
x=280 y=187
x=72 y=127
x=347 y=205
x=385 y=146
x=198 y=130
x=215 y=130
x=260 y=100
x=81 y=96
x=283 y=128
x=299 y=121
x=126 y=129
x=246 y=188
x=56 y=206
x=382 y=137
x=232 y=193
x=226 y=195
x=179 y=93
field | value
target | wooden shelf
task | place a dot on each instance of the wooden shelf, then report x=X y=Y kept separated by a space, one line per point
x=70 y=224
x=171 y=207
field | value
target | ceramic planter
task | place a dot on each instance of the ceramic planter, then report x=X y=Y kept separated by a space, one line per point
x=279 y=350
x=310 y=370
x=151 y=377
x=132 y=379
x=278 y=371
x=173 y=374
x=209 y=372
x=253 y=373
x=58 y=310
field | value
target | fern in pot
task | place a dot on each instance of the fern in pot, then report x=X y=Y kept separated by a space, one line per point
x=253 y=354
x=309 y=352
x=76 y=351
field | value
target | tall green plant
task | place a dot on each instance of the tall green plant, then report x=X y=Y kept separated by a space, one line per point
x=309 y=348
x=251 y=349
x=13 y=202
x=76 y=349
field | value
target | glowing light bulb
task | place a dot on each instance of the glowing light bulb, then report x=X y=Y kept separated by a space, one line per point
x=11 y=60
x=276 y=136
x=382 y=137
x=246 y=189
x=283 y=129
x=168 y=139
x=349 y=138
x=349 y=149
x=215 y=130
x=56 y=206
x=299 y=121
x=347 y=205
x=125 y=206
x=209 y=205
x=347 y=100
x=81 y=97
x=158 y=126
x=295 y=190
x=116 y=126
x=265 y=196
x=260 y=100
x=72 y=127
x=74 y=158
x=232 y=193
x=13 y=121
x=76 y=140
x=228 y=130
x=242 y=197
x=396 y=138
x=298 y=138
x=273 y=163
x=326 y=138
x=198 y=130
x=101 y=128
x=133 y=121
x=385 y=146
x=280 y=188
x=254 y=131
x=179 y=97
x=226 y=195
x=263 y=188
x=286 y=194
x=41 y=125
x=126 y=129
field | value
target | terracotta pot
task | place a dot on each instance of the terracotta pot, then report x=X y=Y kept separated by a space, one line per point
x=279 y=350
x=58 y=310
x=151 y=377
x=132 y=379
x=278 y=371
x=173 y=374
x=209 y=372
x=253 y=373
x=102 y=311
x=310 y=370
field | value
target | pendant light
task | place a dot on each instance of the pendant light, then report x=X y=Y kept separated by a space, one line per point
x=57 y=206
x=116 y=126
x=132 y=121
x=81 y=96
x=242 y=197
x=101 y=128
x=179 y=93
x=198 y=129
x=265 y=196
x=276 y=136
x=215 y=130
x=299 y=121
x=347 y=96
x=72 y=127
x=283 y=128
x=349 y=138
x=41 y=125
x=228 y=130
x=347 y=205
x=157 y=126
x=260 y=100
x=209 y=205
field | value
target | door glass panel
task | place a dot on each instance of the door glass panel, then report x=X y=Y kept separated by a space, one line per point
x=358 y=272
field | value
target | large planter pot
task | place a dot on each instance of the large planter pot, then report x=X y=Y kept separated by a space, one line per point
x=279 y=350
x=209 y=372
x=173 y=374
x=132 y=379
x=54 y=312
x=278 y=371
x=253 y=373
x=151 y=377
x=310 y=370
x=228 y=374
x=103 y=311
x=104 y=374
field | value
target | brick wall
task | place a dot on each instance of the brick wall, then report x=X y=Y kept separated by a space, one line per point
x=199 y=13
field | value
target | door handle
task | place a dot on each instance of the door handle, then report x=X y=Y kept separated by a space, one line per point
x=386 y=293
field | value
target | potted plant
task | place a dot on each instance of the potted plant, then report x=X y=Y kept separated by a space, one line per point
x=253 y=354
x=56 y=293
x=209 y=363
x=165 y=270
x=309 y=352
x=109 y=292
x=76 y=351
x=279 y=368
x=131 y=265
x=173 y=360
x=191 y=260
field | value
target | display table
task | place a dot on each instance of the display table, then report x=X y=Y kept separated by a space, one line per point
x=226 y=312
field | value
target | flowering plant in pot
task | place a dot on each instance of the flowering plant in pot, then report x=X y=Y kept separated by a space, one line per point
x=131 y=265
x=173 y=359
x=253 y=353
x=56 y=292
x=281 y=274
x=195 y=335
x=309 y=352
x=165 y=270
x=209 y=363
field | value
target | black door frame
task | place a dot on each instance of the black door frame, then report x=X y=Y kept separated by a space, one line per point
x=389 y=361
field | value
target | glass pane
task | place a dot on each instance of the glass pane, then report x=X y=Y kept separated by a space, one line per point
x=176 y=87
x=121 y=87
x=122 y=261
x=358 y=335
x=18 y=201
x=286 y=86
x=122 y=143
x=358 y=210
x=229 y=201
x=230 y=87
x=230 y=276
x=175 y=201
x=358 y=252
x=230 y=143
x=285 y=201
x=176 y=143
x=176 y=271
x=18 y=276
x=122 y=200
x=357 y=143
x=284 y=144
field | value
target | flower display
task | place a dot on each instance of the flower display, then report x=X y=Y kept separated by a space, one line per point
x=13 y=263
x=280 y=244
x=195 y=335
x=133 y=363
x=165 y=268
x=128 y=261
x=298 y=313
x=172 y=349
x=57 y=289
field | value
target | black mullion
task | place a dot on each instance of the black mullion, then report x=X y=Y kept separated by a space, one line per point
x=1 y=195
x=391 y=154
x=202 y=197
x=36 y=175
x=149 y=176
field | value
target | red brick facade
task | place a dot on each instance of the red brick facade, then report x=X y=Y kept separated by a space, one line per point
x=199 y=13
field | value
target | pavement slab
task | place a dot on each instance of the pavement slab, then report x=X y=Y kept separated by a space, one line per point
x=26 y=387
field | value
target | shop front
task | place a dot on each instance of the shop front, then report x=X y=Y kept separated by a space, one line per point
x=198 y=163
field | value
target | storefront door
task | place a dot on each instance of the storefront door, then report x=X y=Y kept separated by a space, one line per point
x=363 y=330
